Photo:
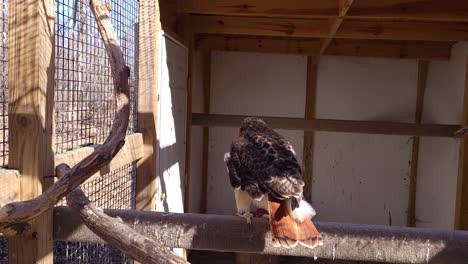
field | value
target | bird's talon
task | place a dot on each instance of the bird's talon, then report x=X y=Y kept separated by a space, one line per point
x=247 y=215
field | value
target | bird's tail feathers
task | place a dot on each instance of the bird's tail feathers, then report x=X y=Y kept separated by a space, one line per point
x=283 y=227
x=308 y=234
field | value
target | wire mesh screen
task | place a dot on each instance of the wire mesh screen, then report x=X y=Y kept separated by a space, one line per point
x=3 y=105
x=4 y=83
x=84 y=100
x=115 y=190
x=85 y=108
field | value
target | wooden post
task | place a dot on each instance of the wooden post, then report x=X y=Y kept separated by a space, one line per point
x=31 y=64
x=148 y=87
x=423 y=67
x=308 y=152
x=185 y=32
x=206 y=130
x=461 y=206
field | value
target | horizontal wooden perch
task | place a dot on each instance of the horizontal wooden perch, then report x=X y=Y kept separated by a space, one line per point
x=232 y=234
x=330 y=125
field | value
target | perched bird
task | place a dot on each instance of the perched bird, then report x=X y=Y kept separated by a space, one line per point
x=263 y=169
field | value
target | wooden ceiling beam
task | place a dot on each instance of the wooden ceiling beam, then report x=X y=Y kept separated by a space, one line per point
x=344 y=8
x=316 y=28
x=422 y=10
x=338 y=47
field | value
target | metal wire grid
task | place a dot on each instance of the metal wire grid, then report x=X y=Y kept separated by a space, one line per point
x=84 y=101
x=85 y=108
x=4 y=83
x=115 y=190
x=3 y=105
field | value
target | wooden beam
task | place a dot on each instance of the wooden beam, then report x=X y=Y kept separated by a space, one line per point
x=308 y=150
x=423 y=67
x=374 y=243
x=428 y=10
x=10 y=186
x=344 y=6
x=148 y=86
x=131 y=151
x=338 y=47
x=316 y=28
x=206 y=130
x=461 y=204
x=184 y=30
x=31 y=65
x=330 y=125
x=428 y=50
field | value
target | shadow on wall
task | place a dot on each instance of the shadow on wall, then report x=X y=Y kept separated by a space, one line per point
x=172 y=126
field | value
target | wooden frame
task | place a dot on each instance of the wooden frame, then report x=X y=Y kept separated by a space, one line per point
x=343 y=47
x=206 y=131
x=148 y=77
x=131 y=151
x=31 y=65
x=423 y=68
x=308 y=148
x=396 y=10
x=461 y=206
x=365 y=127
x=317 y=28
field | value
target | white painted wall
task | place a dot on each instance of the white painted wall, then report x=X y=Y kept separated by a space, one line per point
x=438 y=157
x=250 y=84
x=171 y=125
x=357 y=178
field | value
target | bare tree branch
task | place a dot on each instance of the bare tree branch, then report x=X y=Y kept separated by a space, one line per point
x=115 y=232
x=18 y=212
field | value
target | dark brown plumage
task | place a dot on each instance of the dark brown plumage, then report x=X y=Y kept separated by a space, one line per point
x=262 y=163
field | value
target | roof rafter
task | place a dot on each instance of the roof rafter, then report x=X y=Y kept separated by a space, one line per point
x=403 y=10
x=344 y=7
x=338 y=47
x=316 y=28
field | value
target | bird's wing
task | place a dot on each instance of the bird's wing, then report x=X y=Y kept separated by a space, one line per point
x=271 y=159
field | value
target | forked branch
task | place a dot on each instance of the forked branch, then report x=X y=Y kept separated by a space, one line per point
x=18 y=212
x=115 y=232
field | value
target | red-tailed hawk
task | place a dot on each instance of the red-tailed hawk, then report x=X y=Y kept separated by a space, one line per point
x=263 y=169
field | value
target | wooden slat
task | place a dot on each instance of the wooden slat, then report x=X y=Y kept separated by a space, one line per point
x=148 y=87
x=423 y=67
x=427 y=10
x=366 y=127
x=206 y=130
x=188 y=38
x=316 y=28
x=343 y=10
x=461 y=206
x=308 y=46
x=308 y=150
x=391 y=49
x=338 y=47
x=10 y=186
x=31 y=98
x=131 y=151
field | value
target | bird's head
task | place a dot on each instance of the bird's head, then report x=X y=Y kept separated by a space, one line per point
x=253 y=124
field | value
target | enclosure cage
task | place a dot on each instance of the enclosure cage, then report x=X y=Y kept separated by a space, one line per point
x=84 y=108
x=373 y=95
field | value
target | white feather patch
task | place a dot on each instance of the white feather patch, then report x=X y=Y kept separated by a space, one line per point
x=227 y=156
x=303 y=211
